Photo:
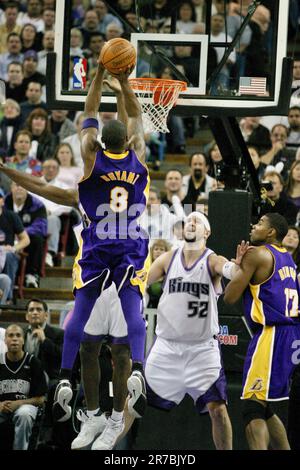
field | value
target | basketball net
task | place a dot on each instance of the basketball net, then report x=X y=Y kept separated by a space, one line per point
x=157 y=96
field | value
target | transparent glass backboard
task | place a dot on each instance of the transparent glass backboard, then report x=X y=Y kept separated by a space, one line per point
x=231 y=54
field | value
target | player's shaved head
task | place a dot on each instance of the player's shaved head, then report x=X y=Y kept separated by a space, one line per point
x=114 y=135
x=279 y=223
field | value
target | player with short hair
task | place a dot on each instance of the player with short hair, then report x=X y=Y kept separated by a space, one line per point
x=267 y=279
x=113 y=248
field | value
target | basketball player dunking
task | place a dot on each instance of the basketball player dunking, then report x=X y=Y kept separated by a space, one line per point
x=268 y=281
x=113 y=194
x=185 y=357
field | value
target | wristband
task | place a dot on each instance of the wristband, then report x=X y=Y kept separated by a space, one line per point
x=90 y=122
x=227 y=270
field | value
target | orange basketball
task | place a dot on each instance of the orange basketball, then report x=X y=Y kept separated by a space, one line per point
x=117 y=55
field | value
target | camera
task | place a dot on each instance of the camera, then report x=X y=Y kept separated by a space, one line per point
x=233 y=176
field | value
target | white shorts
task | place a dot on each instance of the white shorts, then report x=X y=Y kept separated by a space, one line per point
x=107 y=318
x=174 y=369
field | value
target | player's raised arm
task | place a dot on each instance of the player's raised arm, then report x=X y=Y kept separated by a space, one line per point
x=133 y=109
x=243 y=276
x=115 y=86
x=88 y=135
x=159 y=268
x=66 y=197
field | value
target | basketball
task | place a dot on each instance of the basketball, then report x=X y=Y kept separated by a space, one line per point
x=118 y=55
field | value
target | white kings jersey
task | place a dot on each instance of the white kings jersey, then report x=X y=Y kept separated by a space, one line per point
x=187 y=310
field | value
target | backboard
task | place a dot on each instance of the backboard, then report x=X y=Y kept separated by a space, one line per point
x=234 y=61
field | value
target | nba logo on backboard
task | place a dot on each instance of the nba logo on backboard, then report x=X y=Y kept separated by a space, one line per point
x=79 y=73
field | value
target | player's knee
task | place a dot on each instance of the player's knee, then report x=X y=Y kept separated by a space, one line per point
x=253 y=410
x=89 y=349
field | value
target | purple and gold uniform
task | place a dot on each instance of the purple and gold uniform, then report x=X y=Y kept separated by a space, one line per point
x=113 y=197
x=272 y=310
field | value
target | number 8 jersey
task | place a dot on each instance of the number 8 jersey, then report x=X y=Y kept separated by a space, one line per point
x=115 y=193
x=274 y=301
x=187 y=310
x=113 y=197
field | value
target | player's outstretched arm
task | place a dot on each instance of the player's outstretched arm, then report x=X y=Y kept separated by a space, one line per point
x=133 y=109
x=243 y=276
x=66 y=197
x=88 y=135
x=159 y=268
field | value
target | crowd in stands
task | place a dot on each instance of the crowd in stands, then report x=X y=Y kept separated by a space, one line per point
x=45 y=143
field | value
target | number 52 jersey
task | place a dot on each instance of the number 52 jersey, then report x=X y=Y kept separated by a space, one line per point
x=187 y=310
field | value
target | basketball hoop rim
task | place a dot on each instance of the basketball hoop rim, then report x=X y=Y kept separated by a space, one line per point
x=156 y=84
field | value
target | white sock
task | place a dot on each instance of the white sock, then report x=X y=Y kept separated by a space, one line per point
x=91 y=413
x=117 y=415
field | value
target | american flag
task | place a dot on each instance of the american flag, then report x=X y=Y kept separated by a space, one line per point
x=253 y=86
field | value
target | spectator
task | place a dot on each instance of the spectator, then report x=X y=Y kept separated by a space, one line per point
x=30 y=65
x=30 y=39
x=282 y=205
x=219 y=36
x=125 y=6
x=186 y=18
x=10 y=126
x=34 y=218
x=89 y=26
x=49 y=19
x=15 y=88
x=5 y=289
x=96 y=43
x=216 y=162
x=255 y=134
x=54 y=211
x=258 y=165
x=291 y=243
x=296 y=75
x=60 y=125
x=13 y=54
x=198 y=182
x=157 y=219
x=293 y=184
x=113 y=30
x=33 y=15
x=186 y=63
x=34 y=100
x=48 y=45
x=154 y=291
x=69 y=174
x=22 y=160
x=293 y=140
x=174 y=194
x=157 y=11
x=76 y=43
x=23 y=388
x=43 y=141
x=279 y=152
x=10 y=227
x=44 y=342
x=74 y=140
x=256 y=53
x=10 y=24
x=104 y=18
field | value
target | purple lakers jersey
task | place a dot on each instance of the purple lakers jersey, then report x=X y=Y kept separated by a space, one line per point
x=275 y=301
x=115 y=193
